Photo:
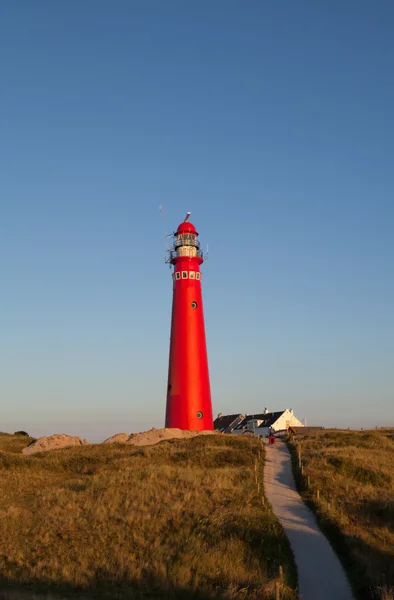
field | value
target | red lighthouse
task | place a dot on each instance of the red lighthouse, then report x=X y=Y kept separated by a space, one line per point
x=188 y=391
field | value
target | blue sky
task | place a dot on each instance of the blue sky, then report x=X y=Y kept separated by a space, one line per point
x=273 y=123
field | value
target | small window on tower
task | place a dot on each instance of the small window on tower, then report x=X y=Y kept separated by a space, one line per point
x=177 y=275
x=198 y=275
x=192 y=274
x=184 y=274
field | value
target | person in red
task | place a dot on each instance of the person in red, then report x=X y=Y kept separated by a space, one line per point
x=271 y=437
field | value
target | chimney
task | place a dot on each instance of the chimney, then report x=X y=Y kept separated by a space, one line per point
x=266 y=411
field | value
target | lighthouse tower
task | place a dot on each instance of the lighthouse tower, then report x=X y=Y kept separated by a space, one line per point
x=188 y=391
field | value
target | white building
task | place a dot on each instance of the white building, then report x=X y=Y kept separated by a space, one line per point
x=261 y=424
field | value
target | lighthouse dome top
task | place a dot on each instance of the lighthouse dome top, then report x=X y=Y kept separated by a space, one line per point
x=186 y=227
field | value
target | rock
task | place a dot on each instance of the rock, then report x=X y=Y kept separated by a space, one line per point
x=44 y=444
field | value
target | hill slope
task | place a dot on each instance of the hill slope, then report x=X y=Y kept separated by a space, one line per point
x=112 y=521
x=354 y=474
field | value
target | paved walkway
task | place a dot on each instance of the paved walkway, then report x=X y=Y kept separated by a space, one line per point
x=320 y=574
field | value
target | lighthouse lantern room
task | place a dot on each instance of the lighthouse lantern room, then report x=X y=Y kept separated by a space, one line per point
x=188 y=390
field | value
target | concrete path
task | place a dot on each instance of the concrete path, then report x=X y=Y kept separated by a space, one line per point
x=320 y=574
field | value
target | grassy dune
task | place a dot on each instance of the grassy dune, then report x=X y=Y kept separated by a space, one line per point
x=354 y=473
x=14 y=443
x=181 y=518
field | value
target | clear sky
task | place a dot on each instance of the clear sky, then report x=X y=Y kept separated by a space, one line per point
x=273 y=122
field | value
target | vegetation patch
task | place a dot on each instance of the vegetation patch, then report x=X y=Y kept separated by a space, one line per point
x=179 y=519
x=351 y=469
x=347 y=479
x=14 y=443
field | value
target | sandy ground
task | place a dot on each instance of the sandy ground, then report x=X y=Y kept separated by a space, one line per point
x=154 y=436
x=320 y=574
x=58 y=440
x=145 y=438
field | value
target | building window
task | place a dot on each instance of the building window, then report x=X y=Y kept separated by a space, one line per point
x=198 y=275
x=177 y=275
x=192 y=274
x=184 y=274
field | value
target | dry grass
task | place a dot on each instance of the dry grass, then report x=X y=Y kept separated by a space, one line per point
x=354 y=473
x=14 y=443
x=178 y=519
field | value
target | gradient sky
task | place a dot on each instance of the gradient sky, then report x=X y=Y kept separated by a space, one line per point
x=273 y=122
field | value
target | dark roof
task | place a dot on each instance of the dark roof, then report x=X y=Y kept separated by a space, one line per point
x=268 y=419
x=226 y=423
